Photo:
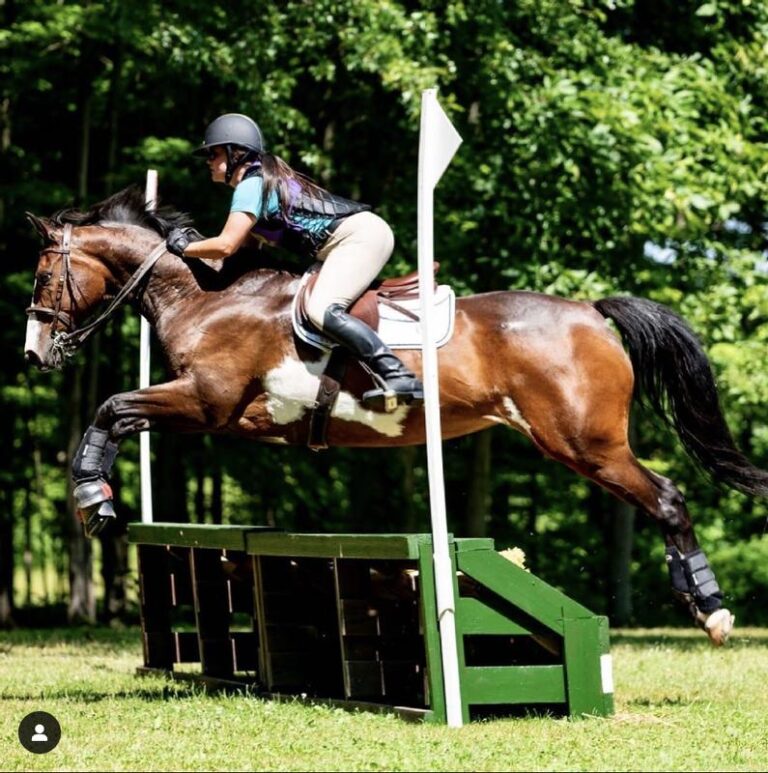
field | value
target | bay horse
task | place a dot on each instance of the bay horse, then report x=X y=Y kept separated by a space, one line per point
x=549 y=367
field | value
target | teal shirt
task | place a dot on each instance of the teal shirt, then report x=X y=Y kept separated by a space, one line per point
x=249 y=195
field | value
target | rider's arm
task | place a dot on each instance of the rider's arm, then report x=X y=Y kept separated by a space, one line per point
x=234 y=233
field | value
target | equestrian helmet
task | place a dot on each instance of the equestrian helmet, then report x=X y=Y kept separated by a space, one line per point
x=232 y=129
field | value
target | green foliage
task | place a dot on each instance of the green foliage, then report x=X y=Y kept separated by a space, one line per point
x=597 y=135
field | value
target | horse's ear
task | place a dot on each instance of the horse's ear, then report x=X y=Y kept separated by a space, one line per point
x=42 y=225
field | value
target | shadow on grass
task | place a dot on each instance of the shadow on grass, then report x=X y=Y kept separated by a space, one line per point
x=172 y=691
x=97 y=636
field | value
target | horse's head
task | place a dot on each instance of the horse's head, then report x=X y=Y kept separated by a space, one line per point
x=69 y=283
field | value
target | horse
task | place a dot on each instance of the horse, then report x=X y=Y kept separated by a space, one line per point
x=549 y=367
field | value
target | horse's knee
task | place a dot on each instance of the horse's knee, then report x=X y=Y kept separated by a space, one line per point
x=106 y=413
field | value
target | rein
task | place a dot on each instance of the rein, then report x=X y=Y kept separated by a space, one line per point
x=67 y=342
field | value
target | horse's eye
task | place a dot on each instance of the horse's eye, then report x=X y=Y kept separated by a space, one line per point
x=44 y=278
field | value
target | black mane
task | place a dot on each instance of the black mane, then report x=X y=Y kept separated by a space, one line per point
x=126 y=206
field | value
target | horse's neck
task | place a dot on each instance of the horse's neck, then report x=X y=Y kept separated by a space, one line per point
x=174 y=284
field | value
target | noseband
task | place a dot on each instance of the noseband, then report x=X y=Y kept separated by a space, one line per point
x=67 y=341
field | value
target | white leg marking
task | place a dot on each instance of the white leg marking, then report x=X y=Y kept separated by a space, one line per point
x=292 y=390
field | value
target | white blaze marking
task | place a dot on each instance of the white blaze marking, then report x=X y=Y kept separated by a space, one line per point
x=514 y=415
x=33 y=336
x=292 y=390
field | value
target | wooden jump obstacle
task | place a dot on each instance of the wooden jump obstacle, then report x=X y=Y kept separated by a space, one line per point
x=351 y=620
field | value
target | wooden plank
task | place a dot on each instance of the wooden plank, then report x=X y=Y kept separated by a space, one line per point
x=192 y=534
x=155 y=604
x=187 y=647
x=474 y=617
x=433 y=649
x=522 y=589
x=507 y=685
x=212 y=613
x=335 y=545
x=583 y=648
x=465 y=544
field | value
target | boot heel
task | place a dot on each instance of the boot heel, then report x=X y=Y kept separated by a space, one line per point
x=380 y=400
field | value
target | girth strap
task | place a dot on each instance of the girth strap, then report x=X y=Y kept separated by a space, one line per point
x=327 y=394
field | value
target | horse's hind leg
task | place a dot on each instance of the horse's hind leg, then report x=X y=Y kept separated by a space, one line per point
x=692 y=579
x=610 y=462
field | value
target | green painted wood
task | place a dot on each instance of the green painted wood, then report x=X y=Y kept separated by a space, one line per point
x=513 y=684
x=431 y=634
x=606 y=662
x=474 y=617
x=336 y=545
x=461 y=655
x=192 y=535
x=522 y=589
x=584 y=684
x=465 y=544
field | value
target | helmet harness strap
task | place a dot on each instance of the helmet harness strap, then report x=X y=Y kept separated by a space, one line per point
x=233 y=163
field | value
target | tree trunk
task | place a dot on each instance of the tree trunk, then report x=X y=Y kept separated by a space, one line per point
x=82 y=603
x=217 y=493
x=408 y=456
x=479 y=500
x=621 y=540
x=622 y=532
x=169 y=478
x=6 y=560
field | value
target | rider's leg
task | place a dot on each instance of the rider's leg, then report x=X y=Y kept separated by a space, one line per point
x=353 y=257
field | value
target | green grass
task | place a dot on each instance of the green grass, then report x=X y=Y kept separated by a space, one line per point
x=680 y=705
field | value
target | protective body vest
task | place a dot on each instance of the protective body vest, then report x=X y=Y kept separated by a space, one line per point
x=309 y=218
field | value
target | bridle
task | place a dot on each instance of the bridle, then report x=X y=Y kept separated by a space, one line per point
x=66 y=342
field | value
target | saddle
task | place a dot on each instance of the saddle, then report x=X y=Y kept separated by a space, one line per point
x=366 y=308
x=397 y=293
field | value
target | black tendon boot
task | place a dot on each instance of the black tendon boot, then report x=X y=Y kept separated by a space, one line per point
x=398 y=385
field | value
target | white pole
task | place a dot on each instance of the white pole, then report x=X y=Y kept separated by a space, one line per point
x=150 y=197
x=438 y=141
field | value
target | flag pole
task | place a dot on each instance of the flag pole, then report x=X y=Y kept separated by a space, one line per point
x=438 y=141
x=150 y=197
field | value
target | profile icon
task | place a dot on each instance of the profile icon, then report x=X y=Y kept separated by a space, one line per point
x=39 y=732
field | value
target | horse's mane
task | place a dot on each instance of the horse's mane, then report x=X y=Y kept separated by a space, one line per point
x=126 y=206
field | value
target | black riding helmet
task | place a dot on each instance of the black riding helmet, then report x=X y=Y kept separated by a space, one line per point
x=233 y=130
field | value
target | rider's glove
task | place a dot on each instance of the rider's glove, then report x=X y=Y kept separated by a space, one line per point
x=180 y=238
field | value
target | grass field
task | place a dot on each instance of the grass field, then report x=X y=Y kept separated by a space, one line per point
x=680 y=705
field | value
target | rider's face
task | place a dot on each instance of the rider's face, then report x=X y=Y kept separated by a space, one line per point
x=217 y=163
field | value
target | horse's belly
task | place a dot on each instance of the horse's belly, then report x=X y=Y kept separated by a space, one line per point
x=290 y=394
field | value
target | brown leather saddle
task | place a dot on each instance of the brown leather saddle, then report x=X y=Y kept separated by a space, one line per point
x=365 y=308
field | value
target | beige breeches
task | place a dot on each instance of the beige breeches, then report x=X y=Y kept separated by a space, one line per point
x=352 y=258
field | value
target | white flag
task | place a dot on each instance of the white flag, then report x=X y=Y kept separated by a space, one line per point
x=439 y=139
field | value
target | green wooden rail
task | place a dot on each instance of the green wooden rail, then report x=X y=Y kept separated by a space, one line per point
x=364 y=606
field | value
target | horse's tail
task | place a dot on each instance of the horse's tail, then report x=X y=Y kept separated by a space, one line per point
x=673 y=374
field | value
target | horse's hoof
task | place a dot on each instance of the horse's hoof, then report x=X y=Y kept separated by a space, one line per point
x=94 y=506
x=719 y=626
x=97 y=518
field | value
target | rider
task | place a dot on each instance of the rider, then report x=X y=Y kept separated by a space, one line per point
x=276 y=203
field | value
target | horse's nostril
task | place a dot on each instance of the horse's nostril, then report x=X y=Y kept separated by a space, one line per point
x=32 y=358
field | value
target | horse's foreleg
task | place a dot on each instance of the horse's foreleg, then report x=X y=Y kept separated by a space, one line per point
x=173 y=405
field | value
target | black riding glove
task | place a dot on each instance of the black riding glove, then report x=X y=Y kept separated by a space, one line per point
x=180 y=238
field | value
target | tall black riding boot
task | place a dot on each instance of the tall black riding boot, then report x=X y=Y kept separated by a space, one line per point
x=399 y=386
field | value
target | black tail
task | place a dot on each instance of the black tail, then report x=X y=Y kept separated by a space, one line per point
x=673 y=374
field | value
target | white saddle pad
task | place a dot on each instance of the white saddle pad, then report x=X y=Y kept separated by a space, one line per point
x=397 y=330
